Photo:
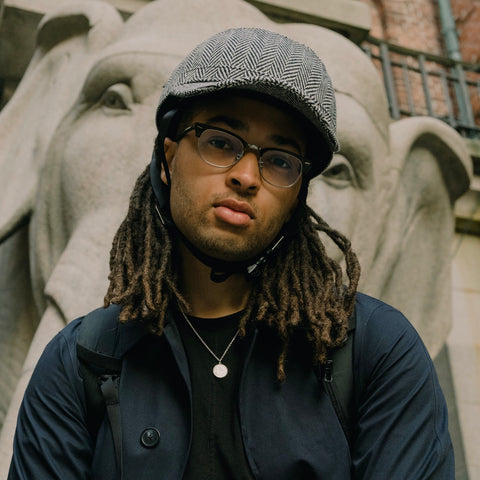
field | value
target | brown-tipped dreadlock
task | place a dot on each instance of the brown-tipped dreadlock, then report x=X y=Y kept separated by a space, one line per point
x=301 y=289
x=300 y=286
x=142 y=279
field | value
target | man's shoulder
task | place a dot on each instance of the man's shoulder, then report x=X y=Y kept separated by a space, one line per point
x=369 y=303
x=100 y=316
x=372 y=310
x=101 y=331
x=378 y=321
x=383 y=329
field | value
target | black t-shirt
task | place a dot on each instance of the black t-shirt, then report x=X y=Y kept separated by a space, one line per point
x=217 y=450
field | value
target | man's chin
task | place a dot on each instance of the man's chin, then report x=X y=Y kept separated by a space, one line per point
x=231 y=253
x=230 y=248
x=234 y=257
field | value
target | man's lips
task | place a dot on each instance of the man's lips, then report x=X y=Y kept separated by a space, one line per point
x=237 y=206
x=234 y=212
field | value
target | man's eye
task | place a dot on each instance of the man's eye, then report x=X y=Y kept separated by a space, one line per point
x=220 y=143
x=280 y=162
x=340 y=173
x=117 y=97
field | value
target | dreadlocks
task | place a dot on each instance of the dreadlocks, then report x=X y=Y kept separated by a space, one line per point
x=299 y=289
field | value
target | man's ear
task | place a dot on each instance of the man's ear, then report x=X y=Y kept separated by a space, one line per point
x=170 y=148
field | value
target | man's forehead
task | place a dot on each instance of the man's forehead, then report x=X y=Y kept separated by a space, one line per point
x=228 y=108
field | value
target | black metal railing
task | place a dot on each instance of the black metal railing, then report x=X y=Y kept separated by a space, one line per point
x=419 y=83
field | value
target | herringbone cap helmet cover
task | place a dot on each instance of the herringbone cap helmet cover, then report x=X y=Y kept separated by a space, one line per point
x=264 y=62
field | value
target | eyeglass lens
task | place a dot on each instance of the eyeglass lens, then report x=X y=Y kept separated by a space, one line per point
x=222 y=149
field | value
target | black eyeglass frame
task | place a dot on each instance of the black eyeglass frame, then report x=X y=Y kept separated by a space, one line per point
x=199 y=128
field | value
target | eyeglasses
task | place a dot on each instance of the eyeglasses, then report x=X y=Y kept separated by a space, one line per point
x=223 y=149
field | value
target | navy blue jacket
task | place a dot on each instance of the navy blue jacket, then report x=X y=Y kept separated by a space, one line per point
x=290 y=430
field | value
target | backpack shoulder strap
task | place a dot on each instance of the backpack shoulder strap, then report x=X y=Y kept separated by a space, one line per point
x=336 y=377
x=101 y=345
x=98 y=339
x=100 y=366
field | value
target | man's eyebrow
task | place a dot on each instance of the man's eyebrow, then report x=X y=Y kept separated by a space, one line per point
x=237 y=124
x=231 y=122
x=286 y=142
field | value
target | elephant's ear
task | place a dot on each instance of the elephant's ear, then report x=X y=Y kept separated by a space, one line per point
x=412 y=263
x=67 y=41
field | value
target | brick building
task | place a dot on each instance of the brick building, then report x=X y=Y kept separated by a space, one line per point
x=429 y=33
x=416 y=24
x=467 y=21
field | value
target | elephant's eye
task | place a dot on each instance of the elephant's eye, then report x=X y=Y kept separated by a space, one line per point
x=340 y=173
x=117 y=97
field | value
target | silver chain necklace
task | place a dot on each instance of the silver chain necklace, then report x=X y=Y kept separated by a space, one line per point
x=219 y=370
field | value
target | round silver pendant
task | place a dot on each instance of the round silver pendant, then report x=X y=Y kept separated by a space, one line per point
x=220 y=370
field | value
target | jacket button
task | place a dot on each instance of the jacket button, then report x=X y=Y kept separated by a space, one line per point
x=150 y=437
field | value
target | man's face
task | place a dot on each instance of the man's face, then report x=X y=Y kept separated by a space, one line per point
x=232 y=213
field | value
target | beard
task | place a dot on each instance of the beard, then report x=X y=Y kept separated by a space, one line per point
x=221 y=241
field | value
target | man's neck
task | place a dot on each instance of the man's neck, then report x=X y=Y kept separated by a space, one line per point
x=208 y=299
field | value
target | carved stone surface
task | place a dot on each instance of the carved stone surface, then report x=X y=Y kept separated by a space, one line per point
x=80 y=128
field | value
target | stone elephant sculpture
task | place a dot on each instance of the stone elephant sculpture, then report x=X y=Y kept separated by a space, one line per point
x=81 y=129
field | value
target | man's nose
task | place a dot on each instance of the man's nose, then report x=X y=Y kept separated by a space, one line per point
x=245 y=174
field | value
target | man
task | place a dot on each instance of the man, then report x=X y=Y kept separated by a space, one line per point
x=226 y=307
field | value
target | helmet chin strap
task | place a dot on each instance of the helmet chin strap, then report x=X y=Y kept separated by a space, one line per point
x=222 y=269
